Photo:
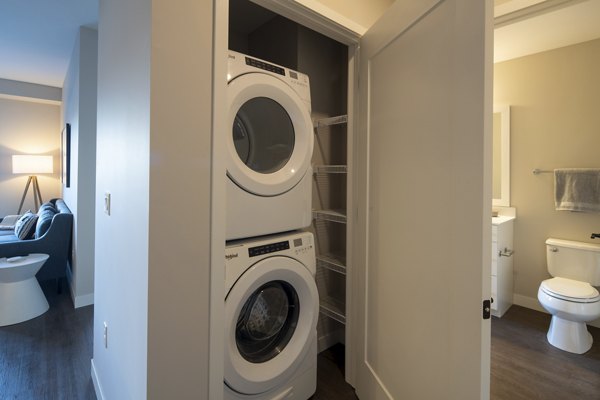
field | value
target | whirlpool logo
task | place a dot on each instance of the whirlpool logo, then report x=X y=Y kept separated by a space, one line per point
x=231 y=256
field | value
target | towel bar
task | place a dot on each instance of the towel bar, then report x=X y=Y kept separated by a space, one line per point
x=541 y=171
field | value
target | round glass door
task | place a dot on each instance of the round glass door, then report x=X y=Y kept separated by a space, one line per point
x=263 y=135
x=269 y=135
x=267 y=321
x=270 y=322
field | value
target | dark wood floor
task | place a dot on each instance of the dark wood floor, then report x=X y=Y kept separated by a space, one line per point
x=49 y=358
x=525 y=366
x=331 y=384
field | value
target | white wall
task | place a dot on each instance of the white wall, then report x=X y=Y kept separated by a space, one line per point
x=27 y=126
x=79 y=110
x=180 y=200
x=154 y=157
x=122 y=168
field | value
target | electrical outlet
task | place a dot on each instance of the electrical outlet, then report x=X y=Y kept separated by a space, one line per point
x=107 y=203
x=105 y=335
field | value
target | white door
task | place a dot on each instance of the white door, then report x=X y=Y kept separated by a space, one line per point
x=424 y=203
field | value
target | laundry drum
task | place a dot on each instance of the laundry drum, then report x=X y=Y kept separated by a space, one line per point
x=263 y=135
x=267 y=321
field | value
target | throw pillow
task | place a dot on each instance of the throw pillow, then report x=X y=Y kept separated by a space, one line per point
x=25 y=226
x=46 y=206
x=43 y=223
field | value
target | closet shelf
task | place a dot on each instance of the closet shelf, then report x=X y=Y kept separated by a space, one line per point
x=332 y=263
x=329 y=215
x=330 y=169
x=333 y=309
x=340 y=119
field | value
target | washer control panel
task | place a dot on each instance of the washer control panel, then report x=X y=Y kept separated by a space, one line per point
x=300 y=245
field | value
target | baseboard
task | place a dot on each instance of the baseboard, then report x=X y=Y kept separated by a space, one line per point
x=534 y=304
x=84 y=300
x=330 y=339
x=78 y=300
x=528 y=302
x=96 y=380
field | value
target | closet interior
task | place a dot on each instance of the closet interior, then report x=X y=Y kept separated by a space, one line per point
x=261 y=33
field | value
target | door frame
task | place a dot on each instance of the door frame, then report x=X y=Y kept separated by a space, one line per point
x=216 y=372
x=321 y=19
x=313 y=15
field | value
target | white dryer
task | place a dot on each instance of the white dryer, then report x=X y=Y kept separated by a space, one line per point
x=271 y=311
x=269 y=148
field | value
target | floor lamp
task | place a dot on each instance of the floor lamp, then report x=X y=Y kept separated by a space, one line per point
x=32 y=165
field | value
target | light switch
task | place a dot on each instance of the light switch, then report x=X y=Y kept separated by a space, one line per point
x=107 y=203
x=105 y=335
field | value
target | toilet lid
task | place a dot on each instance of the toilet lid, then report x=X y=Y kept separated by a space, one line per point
x=570 y=289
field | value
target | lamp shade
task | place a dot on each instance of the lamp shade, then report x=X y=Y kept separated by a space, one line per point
x=26 y=164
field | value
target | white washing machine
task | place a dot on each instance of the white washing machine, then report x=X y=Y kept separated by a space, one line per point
x=271 y=311
x=269 y=148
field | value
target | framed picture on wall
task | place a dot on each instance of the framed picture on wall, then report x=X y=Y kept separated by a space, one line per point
x=65 y=152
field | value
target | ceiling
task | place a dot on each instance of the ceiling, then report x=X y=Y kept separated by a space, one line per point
x=37 y=36
x=524 y=27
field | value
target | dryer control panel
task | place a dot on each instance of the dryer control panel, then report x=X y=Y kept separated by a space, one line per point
x=266 y=66
x=268 y=248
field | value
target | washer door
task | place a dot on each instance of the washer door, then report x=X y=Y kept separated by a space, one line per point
x=270 y=314
x=271 y=138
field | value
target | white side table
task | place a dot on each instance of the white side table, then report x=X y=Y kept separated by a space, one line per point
x=21 y=297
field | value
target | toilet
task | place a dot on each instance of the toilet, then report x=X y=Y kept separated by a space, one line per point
x=570 y=296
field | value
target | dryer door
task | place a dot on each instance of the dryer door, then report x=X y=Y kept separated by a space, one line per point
x=270 y=320
x=271 y=138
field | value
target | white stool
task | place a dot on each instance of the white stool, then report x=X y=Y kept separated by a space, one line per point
x=21 y=297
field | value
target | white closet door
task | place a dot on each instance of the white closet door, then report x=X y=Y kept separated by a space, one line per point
x=424 y=172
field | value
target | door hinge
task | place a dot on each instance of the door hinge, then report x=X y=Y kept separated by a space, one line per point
x=487 y=309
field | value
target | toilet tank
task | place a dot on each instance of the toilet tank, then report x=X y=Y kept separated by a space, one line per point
x=574 y=260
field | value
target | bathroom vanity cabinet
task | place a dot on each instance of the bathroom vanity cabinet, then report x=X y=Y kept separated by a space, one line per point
x=502 y=264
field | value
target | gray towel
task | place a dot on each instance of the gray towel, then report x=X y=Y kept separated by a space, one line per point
x=577 y=189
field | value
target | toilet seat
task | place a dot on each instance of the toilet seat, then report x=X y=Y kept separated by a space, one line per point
x=570 y=290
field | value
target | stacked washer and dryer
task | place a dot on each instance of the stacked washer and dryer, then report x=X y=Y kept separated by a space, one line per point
x=271 y=301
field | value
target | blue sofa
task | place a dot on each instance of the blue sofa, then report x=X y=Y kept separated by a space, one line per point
x=56 y=242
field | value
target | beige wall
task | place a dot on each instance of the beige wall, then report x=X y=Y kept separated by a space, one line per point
x=27 y=127
x=363 y=12
x=555 y=123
